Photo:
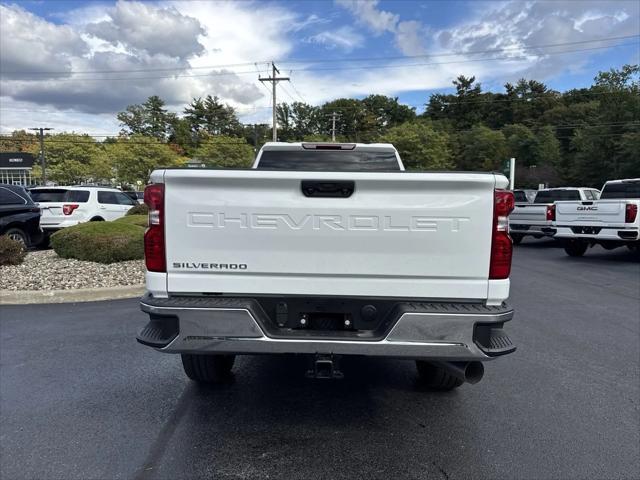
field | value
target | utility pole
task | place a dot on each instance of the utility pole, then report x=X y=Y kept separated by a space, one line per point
x=274 y=80
x=334 y=115
x=42 y=164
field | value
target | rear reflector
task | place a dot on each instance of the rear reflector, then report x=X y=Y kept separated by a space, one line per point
x=68 y=208
x=551 y=213
x=501 y=245
x=630 y=212
x=154 y=247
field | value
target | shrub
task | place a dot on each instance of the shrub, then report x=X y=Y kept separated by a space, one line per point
x=140 y=220
x=11 y=251
x=102 y=242
x=140 y=209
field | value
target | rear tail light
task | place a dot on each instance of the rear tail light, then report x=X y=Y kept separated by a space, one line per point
x=551 y=213
x=501 y=245
x=154 y=248
x=68 y=208
x=630 y=212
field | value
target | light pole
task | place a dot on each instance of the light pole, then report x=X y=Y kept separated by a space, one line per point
x=42 y=163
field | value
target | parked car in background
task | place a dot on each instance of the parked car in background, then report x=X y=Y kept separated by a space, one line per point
x=536 y=219
x=137 y=196
x=19 y=215
x=613 y=221
x=67 y=206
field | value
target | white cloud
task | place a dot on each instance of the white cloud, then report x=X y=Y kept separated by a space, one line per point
x=155 y=30
x=49 y=46
x=232 y=33
x=344 y=38
x=224 y=33
x=367 y=13
x=410 y=37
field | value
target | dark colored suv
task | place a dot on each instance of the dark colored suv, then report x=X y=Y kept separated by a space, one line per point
x=19 y=216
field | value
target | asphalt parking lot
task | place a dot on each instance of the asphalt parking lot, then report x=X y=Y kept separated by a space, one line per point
x=80 y=399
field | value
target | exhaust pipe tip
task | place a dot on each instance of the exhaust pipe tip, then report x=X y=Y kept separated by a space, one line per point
x=473 y=372
x=470 y=372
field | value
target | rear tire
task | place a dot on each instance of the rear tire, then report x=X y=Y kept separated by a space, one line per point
x=517 y=238
x=575 y=248
x=436 y=378
x=18 y=235
x=208 y=368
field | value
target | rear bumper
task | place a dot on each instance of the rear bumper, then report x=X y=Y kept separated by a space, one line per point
x=526 y=229
x=445 y=331
x=53 y=227
x=597 y=233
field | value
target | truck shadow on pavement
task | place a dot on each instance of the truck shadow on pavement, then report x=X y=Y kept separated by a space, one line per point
x=271 y=417
x=593 y=255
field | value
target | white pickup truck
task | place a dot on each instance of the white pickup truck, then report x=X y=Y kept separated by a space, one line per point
x=613 y=221
x=536 y=219
x=328 y=250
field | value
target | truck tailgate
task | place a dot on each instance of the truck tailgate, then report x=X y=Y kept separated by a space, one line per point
x=529 y=214
x=416 y=235
x=596 y=213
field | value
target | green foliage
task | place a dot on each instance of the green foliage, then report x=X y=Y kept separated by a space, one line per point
x=211 y=117
x=102 y=242
x=139 y=220
x=19 y=141
x=11 y=251
x=135 y=157
x=140 y=209
x=73 y=158
x=149 y=119
x=481 y=148
x=420 y=146
x=583 y=136
x=226 y=152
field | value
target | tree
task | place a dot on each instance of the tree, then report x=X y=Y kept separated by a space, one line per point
x=223 y=151
x=351 y=121
x=211 y=117
x=19 y=141
x=149 y=119
x=481 y=148
x=529 y=99
x=135 y=157
x=420 y=146
x=385 y=112
x=466 y=111
x=521 y=144
x=72 y=158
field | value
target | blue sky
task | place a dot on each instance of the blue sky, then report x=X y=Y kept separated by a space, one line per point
x=56 y=56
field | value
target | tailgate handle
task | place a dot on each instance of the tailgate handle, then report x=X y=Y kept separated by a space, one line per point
x=328 y=188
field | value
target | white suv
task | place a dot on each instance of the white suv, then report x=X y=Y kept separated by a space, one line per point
x=67 y=206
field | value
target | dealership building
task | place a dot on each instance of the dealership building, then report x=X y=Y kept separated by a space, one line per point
x=16 y=167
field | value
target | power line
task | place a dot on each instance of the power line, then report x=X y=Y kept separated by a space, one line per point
x=327 y=60
x=339 y=68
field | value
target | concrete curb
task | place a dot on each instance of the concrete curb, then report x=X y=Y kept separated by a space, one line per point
x=29 y=297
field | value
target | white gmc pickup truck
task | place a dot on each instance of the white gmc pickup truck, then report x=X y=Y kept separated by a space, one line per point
x=328 y=250
x=613 y=221
x=536 y=219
